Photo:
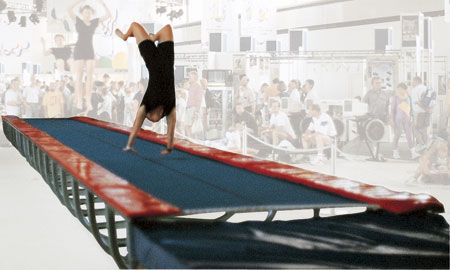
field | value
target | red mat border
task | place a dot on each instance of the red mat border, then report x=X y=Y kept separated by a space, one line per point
x=396 y=202
x=114 y=190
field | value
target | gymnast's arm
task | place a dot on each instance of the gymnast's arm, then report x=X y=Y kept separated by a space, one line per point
x=107 y=11
x=171 y=121
x=71 y=7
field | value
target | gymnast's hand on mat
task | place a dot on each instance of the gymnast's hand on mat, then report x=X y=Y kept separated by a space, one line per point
x=129 y=149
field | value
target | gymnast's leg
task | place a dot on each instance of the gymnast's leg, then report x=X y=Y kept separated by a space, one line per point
x=140 y=117
x=136 y=30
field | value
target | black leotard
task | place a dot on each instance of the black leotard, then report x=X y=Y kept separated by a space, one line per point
x=84 y=48
x=159 y=61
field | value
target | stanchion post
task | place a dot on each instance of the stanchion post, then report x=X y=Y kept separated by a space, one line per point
x=244 y=140
x=333 y=156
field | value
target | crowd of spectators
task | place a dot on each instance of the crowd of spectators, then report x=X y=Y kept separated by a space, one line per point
x=277 y=114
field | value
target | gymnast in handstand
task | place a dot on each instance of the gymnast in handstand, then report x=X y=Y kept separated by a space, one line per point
x=159 y=98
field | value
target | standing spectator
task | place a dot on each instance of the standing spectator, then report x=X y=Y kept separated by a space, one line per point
x=309 y=96
x=205 y=103
x=294 y=97
x=260 y=96
x=128 y=106
x=294 y=106
x=194 y=102
x=280 y=127
x=421 y=114
x=13 y=99
x=282 y=89
x=105 y=106
x=31 y=96
x=272 y=91
x=53 y=102
x=401 y=119
x=319 y=133
x=245 y=95
x=377 y=100
x=378 y=104
x=106 y=79
x=181 y=110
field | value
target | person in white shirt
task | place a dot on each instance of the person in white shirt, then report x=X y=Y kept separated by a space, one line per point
x=246 y=95
x=31 y=96
x=421 y=114
x=294 y=97
x=128 y=111
x=13 y=99
x=280 y=127
x=319 y=133
x=105 y=107
x=181 y=96
x=308 y=95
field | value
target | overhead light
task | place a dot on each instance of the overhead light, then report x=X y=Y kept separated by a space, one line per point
x=39 y=5
x=2 y=5
x=34 y=18
x=23 y=21
x=175 y=14
x=11 y=16
x=161 y=10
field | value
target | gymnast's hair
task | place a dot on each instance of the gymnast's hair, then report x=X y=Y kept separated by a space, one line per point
x=82 y=8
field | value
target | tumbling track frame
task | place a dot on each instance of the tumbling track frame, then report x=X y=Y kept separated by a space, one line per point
x=83 y=202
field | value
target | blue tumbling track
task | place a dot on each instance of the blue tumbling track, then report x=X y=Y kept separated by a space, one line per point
x=192 y=183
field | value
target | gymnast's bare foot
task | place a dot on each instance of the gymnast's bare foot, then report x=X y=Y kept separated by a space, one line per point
x=120 y=34
x=129 y=149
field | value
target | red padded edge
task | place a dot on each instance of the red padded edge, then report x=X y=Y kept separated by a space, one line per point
x=114 y=190
x=397 y=202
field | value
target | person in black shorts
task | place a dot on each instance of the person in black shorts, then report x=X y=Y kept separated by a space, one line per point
x=83 y=54
x=63 y=54
x=159 y=98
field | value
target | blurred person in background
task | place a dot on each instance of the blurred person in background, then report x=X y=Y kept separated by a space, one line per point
x=31 y=96
x=309 y=95
x=181 y=98
x=84 y=55
x=244 y=118
x=279 y=125
x=294 y=106
x=206 y=103
x=420 y=113
x=320 y=132
x=434 y=163
x=378 y=104
x=245 y=95
x=272 y=90
x=53 y=102
x=106 y=105
x=401 y=120
x=129 y=110
x=194 y=103
x=282 y=89
x=62 y=54
x=260 y=96
x=14 y=99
